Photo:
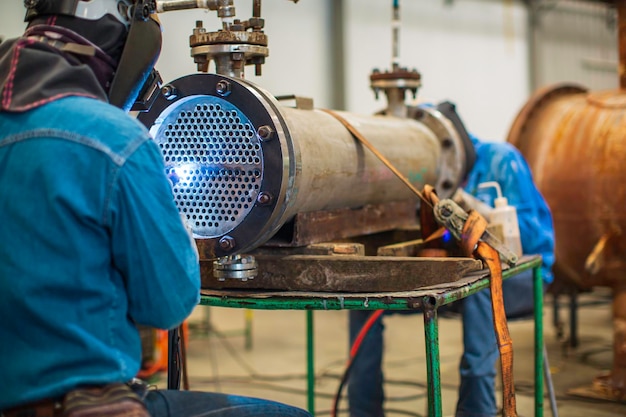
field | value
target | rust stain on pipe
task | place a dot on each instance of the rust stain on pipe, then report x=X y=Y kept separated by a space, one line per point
x=575 y=144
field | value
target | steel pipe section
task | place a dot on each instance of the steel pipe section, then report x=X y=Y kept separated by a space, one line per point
x=242 y=164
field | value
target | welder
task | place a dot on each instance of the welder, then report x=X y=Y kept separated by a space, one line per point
x=92 y=242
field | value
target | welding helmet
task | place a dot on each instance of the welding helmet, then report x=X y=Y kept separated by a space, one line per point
x=135 y=83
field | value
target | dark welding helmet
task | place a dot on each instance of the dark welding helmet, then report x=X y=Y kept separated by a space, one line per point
x=136 y=83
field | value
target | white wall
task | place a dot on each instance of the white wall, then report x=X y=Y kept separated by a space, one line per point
x=473 y=53
x=577 y=42
x=299 y=41
x=11 y=18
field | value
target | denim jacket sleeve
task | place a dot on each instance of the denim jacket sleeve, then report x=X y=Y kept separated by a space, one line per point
x=534 y=217
x=151 y=247
x=503 y=163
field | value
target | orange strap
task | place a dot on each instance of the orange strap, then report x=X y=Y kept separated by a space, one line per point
x=472 y=231
x=428 y=224
x=471 y=245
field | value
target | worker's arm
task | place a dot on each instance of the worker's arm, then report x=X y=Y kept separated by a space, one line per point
x=151 y=248
x=534 y=217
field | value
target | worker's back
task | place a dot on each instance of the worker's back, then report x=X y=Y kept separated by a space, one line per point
x=82 y=193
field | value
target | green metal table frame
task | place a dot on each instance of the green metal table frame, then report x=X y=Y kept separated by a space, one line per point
x=427 y=300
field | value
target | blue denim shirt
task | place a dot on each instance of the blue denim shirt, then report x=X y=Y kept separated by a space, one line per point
x=503 y=163
x=91 y=243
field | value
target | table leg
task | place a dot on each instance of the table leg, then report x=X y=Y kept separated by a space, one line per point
x=310 y=356
x=538 y=294
x=173 y=361
x=248 y=329
x=433 y=374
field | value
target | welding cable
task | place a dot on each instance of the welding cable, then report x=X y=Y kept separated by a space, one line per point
x=354 y=351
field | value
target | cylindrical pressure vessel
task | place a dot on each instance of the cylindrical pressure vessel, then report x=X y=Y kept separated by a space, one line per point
x=242 y=164
x=575 y=144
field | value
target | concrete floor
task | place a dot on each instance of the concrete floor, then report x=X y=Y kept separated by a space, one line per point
x=275 y=366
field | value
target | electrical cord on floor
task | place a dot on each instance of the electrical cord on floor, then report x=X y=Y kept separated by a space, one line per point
x=354 y=351
x=400 y=382
x=214 y=363
x=249 y=369
x=262 y=384
x=303 y=392
x=388 y=412
x=324 y=373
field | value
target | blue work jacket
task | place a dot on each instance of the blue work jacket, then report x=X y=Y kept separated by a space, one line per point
x=91 y=244
x=503 y=163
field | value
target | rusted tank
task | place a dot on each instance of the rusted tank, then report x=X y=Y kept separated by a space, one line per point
x=575 y=144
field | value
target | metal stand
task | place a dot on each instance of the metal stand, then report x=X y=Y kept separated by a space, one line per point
x=427 y=299
x=174 y=367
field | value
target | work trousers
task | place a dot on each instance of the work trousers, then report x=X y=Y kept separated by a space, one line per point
x=172 y=403
x=477 y=368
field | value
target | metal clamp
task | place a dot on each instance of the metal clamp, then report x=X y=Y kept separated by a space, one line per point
x=451 y=216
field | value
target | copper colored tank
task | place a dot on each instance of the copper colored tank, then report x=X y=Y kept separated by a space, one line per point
x=575 y=144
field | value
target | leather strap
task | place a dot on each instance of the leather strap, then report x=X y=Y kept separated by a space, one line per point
x=431 y=231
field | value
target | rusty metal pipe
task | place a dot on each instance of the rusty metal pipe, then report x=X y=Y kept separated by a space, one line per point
x=256 y=8
x=395 y=35
x=612 y=385
x=574 y=143
x=173 y=5
x=618 y=373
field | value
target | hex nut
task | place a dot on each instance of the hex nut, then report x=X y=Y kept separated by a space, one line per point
x=223 y=88
x=264 y=198
x=227 y=243
x=265 y=132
